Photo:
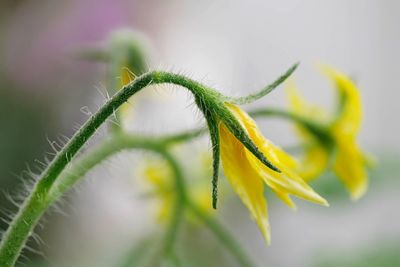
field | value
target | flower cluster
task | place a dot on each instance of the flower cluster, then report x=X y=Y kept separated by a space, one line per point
x=341 y=152
x=250 y=161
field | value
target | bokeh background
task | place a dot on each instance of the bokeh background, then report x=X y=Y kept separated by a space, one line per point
x=236 y=47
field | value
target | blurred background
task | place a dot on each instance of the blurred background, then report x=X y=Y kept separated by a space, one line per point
x=236 y=47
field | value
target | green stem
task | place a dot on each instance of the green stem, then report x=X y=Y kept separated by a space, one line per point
x=317 y=129
x=266 y=90
x=267 y=112
x=126 y=141
x=43 y=192
x=223 y=235
x=21 y=227
x=33 y=207
x=114 y=83
x=30 y=214
x=116 y=143
x=167 y=244
x=122 y=141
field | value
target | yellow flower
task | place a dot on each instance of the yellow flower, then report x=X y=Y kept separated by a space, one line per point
x=349 y=162
x=126 y=76
x=159 y=176
x=161 y=182
x=247 y=174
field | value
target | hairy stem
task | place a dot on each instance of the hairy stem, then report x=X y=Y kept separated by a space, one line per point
x=21 y=227
x=44 y=192
x=125 y=141
x=33 y=207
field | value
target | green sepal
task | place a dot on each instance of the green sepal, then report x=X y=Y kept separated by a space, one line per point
x=240 y=133
x=215 y=142
x=266 y=90
x=212 y=123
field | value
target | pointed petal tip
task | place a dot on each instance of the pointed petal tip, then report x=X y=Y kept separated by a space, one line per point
x=264 y=227
x=267 y=238
x=359 y=192
x=326 y=204
x=321 y=201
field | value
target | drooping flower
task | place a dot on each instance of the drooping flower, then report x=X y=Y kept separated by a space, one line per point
x=247 y=174
x=348 y=161
x=315 y=159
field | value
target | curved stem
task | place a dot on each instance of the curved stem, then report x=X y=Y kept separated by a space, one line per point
x=35 y=206
x=89 y=128
x=223 y=235
x=118 y=142
x=43 y=192
x=21 y=228
x=125 y=141
x=264 y=112
x=27 y=217
x=315 y=128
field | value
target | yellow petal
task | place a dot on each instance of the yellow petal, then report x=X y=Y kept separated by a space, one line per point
x=350 y=162
x=126 y=76
x=301 y=106
x=349 y=166
x=285 y=197
x=314 y=162
x=287 y=182
x=159 y=176
x=315 y=157
x=244 y=179
x=349 y=120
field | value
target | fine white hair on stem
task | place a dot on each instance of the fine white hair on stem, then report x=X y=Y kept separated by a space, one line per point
x=12 y=199
x=102 y=90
